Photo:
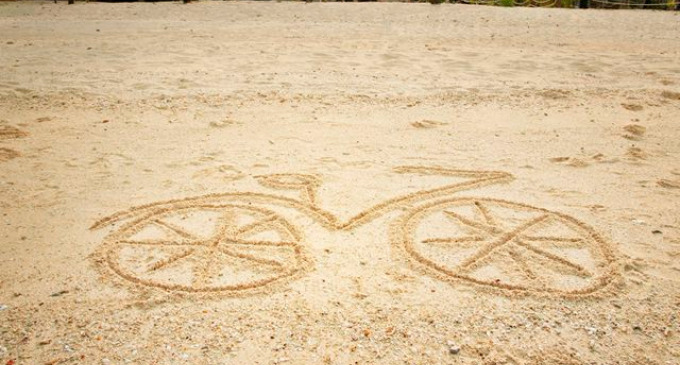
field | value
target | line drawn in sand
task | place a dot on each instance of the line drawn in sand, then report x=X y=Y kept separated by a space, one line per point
x=234 y=242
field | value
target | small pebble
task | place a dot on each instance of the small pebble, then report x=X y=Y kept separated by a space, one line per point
x=454 y=350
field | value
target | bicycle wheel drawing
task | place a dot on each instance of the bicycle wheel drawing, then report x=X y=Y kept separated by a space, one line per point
x=506 y=245
x=205 y=248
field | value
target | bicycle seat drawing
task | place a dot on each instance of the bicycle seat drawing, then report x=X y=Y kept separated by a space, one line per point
x=238 y=241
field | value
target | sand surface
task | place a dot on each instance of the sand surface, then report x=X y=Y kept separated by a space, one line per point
x=260 y=183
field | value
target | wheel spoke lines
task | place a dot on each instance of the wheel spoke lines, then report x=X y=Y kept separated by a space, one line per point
x=206 y=270
x=174 y=229
x=226 y=227
x=254 y=227
x=163 y=243
x=501 y=240
x=275 y=265
x=188 y=250
x=458 y=241
x=547 y=238
x=478 y=226
x=576 y=268
x=258 y=243
x=562 y=242
x=505 y=245
x=519 y=259
x=488 y=217
x=172 y=259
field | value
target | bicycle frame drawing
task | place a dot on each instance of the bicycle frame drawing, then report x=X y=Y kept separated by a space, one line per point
x=238 y=241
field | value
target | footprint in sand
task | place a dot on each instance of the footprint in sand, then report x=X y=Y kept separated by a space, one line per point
x=426 y=124
x=632 y=107
x=636 y=154
x=669 y=184
x=221 y=172
x=584 y=161
x=670 y=95
x=224 y=123
x=635 y=132
x=8 y=132
x=7 y=154
x=570 y=161
x=555 y=94
x=600 y=158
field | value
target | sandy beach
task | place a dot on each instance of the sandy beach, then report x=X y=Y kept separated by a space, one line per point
x=338 y=183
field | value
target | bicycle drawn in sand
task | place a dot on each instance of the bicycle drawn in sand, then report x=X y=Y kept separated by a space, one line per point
x=239 y=241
